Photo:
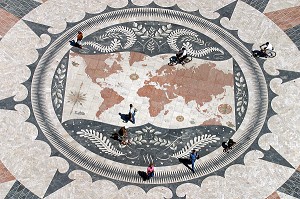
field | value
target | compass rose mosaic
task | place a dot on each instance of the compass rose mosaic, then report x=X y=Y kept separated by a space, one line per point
x=79 y=97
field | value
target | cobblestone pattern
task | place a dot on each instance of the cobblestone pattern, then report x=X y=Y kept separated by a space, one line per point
x=18 y=8
x=294 y=34
x=257 y=4
x=292 y=185
x=286 y=18
x=7 y=21
x=19 y=191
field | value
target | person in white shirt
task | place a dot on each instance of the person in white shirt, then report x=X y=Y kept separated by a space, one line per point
x=266 y=46
x=131 y=113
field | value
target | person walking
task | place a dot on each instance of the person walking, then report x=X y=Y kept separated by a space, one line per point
x=131 y=113
x=150 y=170
x=193 y=157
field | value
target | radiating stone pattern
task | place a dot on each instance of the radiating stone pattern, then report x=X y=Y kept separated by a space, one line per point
x=294 y=34
x=257 y=4
x=292 y=186
x=19 y=191
x=13 y=10
x=5 y=175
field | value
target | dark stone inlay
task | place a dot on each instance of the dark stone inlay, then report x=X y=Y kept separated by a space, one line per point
x=292 y=185
x=19 y=8
x=259 y=5
x=59 y=85
x=82 y=158
x=294 y=34
x=240 y=94
x=8 y=103
x=273 y=156
x=152 y=38
x=58 y=181
x=19 y=191
x=148 y=143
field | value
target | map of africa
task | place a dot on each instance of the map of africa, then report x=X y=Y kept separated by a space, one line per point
x=110 y=82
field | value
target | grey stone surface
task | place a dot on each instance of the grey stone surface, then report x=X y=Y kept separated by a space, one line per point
x=294 y=34
x=19 y=8
x=257 y=4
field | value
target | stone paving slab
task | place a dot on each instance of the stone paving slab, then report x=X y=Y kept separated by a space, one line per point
x=60 y=105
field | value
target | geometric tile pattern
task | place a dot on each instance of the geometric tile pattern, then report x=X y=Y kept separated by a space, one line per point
x=7 y=21
x=257 y=4
x=19 y=191
x=5 y=175
x=294 y=34
x=285 y=18
x=292 y=185
x=18 y=8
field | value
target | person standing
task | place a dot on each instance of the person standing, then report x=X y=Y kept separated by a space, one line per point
x=150 y=170
x=79 y=38
x=193 y=157
x=131 y=113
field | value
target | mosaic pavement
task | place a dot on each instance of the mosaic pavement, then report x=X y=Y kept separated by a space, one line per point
x=60 y=105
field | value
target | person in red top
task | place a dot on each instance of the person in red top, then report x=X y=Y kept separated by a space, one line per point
x=150 y=170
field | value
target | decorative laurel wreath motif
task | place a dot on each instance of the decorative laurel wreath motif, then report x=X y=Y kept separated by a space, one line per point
x=100 y=141
x=58 y=86
x=151 y=38
x=163 y=142
x=114 y=35
x=185 y=36
x=138 y=140
x=240 y=83
x=196 y=144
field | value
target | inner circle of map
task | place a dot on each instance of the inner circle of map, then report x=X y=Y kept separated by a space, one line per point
x=57 y=135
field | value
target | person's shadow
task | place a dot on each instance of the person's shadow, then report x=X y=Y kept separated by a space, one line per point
x=124 y=117
x=186 y=162
x=143 y=174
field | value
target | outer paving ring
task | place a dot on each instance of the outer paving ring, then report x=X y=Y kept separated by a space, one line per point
x=60 y=139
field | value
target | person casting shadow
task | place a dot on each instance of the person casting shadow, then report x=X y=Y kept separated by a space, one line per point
x=228 y=145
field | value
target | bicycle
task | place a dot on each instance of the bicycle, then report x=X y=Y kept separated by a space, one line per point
x=270 y=53
x=264 y=53
x=174 y=60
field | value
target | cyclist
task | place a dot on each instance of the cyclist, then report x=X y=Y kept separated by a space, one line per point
x=265 y=47
x=181 y=55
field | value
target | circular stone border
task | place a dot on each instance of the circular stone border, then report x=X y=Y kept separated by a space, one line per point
x=59 y=138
